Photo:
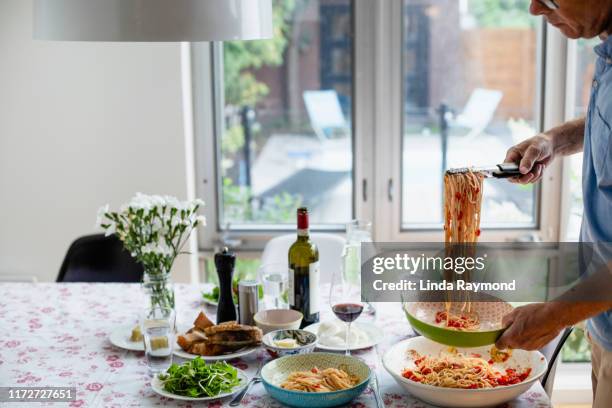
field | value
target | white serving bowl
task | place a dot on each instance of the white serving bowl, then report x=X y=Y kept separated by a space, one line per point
x=278 y=319
x=397 y=359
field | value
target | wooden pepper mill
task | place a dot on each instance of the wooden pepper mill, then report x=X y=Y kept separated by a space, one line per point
x=225 y=262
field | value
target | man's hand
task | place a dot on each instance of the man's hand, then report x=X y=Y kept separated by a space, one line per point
x=533 y=155
x=529 y=327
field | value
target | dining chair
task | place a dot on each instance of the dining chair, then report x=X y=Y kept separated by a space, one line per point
x=330 y=252
x=552 y=352
x=97 y=258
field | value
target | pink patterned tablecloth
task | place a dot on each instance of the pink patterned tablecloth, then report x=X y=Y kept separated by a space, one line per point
x=57 y=335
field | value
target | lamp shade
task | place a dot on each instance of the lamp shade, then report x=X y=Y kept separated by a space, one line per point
x=152 y=20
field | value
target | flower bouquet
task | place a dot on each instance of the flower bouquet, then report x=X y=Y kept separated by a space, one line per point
x=154 y=230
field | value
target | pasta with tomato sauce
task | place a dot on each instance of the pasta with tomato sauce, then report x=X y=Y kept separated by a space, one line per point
x=456 y=370
x=462 y=204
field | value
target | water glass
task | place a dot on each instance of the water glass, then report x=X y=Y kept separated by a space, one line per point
x=274 y=277
x=157 y=326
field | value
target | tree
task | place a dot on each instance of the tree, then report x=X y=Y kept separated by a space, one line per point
x=502 y=13
x=241 y=57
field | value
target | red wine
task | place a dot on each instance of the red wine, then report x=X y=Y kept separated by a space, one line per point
x=347 y=312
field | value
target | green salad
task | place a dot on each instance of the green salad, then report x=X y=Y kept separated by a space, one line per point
x=213 y=295
x=197 y=379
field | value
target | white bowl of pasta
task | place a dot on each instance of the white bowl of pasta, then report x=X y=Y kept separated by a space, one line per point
x=469 y=377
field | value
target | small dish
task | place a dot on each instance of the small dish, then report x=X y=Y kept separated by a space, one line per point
x=120 y=337
x=276 y=371
x=278 y=319
x=373 y=333
x=306 y=341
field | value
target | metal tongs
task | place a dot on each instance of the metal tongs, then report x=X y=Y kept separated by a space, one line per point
x=500 y=171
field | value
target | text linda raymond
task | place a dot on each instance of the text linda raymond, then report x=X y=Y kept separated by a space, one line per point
x=428 y=285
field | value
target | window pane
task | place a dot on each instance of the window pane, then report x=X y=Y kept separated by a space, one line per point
x=585 y=68
x=469 y=95
x=286 y=138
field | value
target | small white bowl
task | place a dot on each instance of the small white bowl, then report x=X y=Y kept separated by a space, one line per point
x=306 y=341
x=278 y=319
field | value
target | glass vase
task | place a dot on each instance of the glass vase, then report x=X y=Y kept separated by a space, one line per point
x=159 y=290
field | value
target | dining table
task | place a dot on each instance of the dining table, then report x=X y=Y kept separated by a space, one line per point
x=57 y=335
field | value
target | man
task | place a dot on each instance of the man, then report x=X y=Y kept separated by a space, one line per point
x=533 y=326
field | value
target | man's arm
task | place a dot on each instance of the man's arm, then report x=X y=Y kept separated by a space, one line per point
x=533 y=326
x=536 y=153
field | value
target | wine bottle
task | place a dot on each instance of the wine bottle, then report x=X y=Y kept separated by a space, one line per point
x=303 y=282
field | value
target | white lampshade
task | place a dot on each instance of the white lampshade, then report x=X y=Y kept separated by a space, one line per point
x=152 y=20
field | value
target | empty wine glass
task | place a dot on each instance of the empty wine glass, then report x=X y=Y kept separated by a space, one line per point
x=345 y=301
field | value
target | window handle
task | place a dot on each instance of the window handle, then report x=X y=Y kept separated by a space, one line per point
x=364 y=190
x=390 y=190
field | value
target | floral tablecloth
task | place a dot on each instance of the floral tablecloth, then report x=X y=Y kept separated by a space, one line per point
x=57 y=335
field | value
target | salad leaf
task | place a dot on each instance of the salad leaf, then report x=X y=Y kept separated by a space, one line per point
x=197 y=379
x=213 y=295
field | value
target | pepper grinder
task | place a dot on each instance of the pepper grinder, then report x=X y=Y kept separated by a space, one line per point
x=225 y=262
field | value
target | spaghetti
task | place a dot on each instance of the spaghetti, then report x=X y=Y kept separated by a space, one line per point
x=462 y=203
x=316 y=380
x=456 y=370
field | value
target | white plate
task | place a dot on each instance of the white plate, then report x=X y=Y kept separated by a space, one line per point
x=158 y=387
x=397 y=359
x=375 y=335
x=120 y=337
x=179 y=352
x=209 y=302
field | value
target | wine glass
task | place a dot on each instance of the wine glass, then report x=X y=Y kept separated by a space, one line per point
x=345 y=301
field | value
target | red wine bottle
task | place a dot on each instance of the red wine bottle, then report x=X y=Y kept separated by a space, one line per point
x=303 y=282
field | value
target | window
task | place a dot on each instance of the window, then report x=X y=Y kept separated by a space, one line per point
x=469 y=95
x=314 y=117
x=577 y=349
x=285 y=129
x=585 y=58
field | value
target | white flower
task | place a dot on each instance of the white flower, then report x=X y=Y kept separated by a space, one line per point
x=171 y=202
x=176 y=220
x=101 y=217
x=201 y=220
x=110 y=230
x=141 y=202
x=195 y=203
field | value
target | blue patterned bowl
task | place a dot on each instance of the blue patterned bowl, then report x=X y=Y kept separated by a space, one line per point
x=306 y=342
x=276 y=371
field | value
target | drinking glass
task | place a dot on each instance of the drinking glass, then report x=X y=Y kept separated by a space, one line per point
x=157 y=326
x=345 y=301
x=274 y=277
x=357 y=232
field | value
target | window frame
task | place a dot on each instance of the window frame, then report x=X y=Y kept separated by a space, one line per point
x=377 y=127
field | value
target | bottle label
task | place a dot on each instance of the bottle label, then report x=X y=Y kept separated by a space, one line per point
x=314 y=278
x=291 y=287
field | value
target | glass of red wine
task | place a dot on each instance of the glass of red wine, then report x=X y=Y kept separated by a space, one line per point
x=345 y=301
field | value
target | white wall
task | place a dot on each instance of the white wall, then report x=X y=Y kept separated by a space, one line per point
x=81 y=125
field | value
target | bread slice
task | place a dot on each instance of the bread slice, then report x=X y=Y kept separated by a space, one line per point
x=202 y=322
x=188 y=339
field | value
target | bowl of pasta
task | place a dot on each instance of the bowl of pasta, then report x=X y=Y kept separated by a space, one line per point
x=455 y=324
x=315 y=380
x=471 y=377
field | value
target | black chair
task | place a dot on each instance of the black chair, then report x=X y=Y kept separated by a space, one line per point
x=96 y=258
x=552 y=352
